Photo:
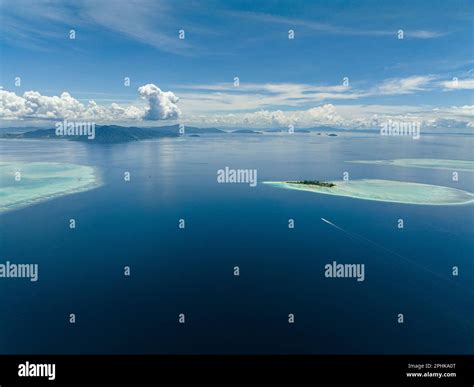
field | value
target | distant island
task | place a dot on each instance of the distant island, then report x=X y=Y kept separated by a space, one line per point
x=246 y=131
x=328 y=134
x=287 y=131
x=103 y=135
x=113 y=134
x=313 y=182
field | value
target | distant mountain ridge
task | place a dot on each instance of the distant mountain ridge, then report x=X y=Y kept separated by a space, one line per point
x=111 y=134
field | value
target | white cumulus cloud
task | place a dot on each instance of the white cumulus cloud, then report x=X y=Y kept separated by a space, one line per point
x=162 y=105
x=317 y=116
x=343 y=116
x=33 y=105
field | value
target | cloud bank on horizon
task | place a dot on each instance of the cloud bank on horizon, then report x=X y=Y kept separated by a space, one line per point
x=159 y=105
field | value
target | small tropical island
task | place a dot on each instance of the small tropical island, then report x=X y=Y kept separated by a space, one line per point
x=383 y=191
x=313 y=182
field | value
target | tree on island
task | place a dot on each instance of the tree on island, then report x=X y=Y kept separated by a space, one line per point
x=313 y=182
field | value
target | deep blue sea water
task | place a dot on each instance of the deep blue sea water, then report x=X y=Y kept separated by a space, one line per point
x=281 y=270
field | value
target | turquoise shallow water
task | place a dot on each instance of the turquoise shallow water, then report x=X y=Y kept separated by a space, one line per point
x=388 y=191
x=23 y=184
x=453 y=165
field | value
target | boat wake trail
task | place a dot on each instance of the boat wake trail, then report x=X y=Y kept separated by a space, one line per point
x=332 y=224
x=443 y=279
x=361 y=238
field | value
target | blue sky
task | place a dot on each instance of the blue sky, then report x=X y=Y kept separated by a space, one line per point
x=281 y=80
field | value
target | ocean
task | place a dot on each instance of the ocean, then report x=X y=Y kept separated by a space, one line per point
x=190 y=270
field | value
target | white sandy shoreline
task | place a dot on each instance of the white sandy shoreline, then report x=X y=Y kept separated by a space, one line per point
x=387 y=191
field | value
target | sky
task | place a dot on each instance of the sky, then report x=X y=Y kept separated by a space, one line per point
x=347 y=64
